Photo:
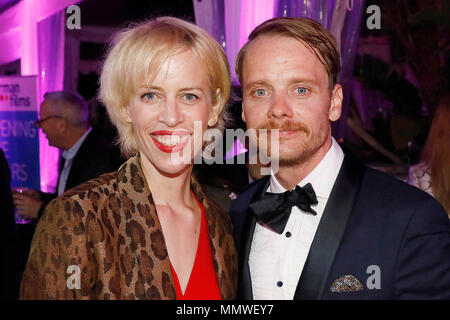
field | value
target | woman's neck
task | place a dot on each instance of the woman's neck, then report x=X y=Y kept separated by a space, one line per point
x=168 y=190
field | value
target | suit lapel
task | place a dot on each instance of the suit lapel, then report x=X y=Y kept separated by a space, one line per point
x=221 y=243
x=248 y=227
x=330 y=231
x=73 y=179
x=138 y=209
x=62 y=161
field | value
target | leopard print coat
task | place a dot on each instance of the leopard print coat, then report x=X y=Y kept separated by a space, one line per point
x=109 y=228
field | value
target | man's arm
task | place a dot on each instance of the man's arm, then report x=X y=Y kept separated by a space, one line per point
x=423 y=264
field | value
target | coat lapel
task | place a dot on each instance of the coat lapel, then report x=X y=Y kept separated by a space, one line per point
x=138 y=209
x=248 y=227
x=85 y=151
x=245 y=285
x=62 y=161
x=221 y=243
x=330 y=231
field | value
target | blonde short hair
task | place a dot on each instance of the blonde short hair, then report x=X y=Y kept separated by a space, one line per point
x=308 y=32
x=136 y=55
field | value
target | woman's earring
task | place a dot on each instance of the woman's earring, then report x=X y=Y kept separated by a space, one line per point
x=212 y=122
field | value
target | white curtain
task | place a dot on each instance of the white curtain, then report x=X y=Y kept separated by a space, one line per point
x=51 y=76
x=231 y=21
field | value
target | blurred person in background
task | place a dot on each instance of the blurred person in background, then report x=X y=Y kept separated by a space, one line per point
x=86 y=155
x=432 y=173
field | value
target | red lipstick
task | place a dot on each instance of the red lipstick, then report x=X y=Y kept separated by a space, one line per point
x=169 y=149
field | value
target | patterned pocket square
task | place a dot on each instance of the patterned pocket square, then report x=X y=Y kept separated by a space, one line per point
x=347 y=283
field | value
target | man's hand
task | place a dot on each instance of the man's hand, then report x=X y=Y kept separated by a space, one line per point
x=27 y=203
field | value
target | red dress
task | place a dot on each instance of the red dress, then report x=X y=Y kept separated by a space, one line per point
x=202 y=284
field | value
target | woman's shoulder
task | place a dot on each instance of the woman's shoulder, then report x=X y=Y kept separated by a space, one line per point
x=101 y=185
x=90 y=196
x=95 y=195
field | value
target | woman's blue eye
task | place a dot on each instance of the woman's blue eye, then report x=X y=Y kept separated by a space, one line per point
x=302 y=91
x=148 y=96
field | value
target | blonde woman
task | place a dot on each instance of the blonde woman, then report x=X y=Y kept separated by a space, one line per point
x=146 y=231
x=432 y=173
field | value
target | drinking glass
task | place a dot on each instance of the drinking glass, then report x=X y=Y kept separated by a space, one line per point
x=18 y=217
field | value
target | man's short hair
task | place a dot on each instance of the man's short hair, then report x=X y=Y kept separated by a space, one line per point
x=69 y=105
x=135 y=57
x=308 y=32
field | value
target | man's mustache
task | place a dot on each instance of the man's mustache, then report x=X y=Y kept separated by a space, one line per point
x=285 y=126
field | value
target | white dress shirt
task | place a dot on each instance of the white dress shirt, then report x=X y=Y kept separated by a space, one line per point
x=276 y=260
x=68 y=156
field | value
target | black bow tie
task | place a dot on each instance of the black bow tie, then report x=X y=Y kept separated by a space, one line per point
x=274 y=209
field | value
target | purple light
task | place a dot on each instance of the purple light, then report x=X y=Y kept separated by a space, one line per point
x=253 y=13
x=29 y=47
x=238 y=148
x=241 y=17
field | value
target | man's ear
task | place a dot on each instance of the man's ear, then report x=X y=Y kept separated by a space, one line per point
x=243 y=113
x=337 y=96
x=243 y=116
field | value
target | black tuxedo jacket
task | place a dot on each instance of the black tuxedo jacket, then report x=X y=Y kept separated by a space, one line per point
x=94 y=157
x=391 y=237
